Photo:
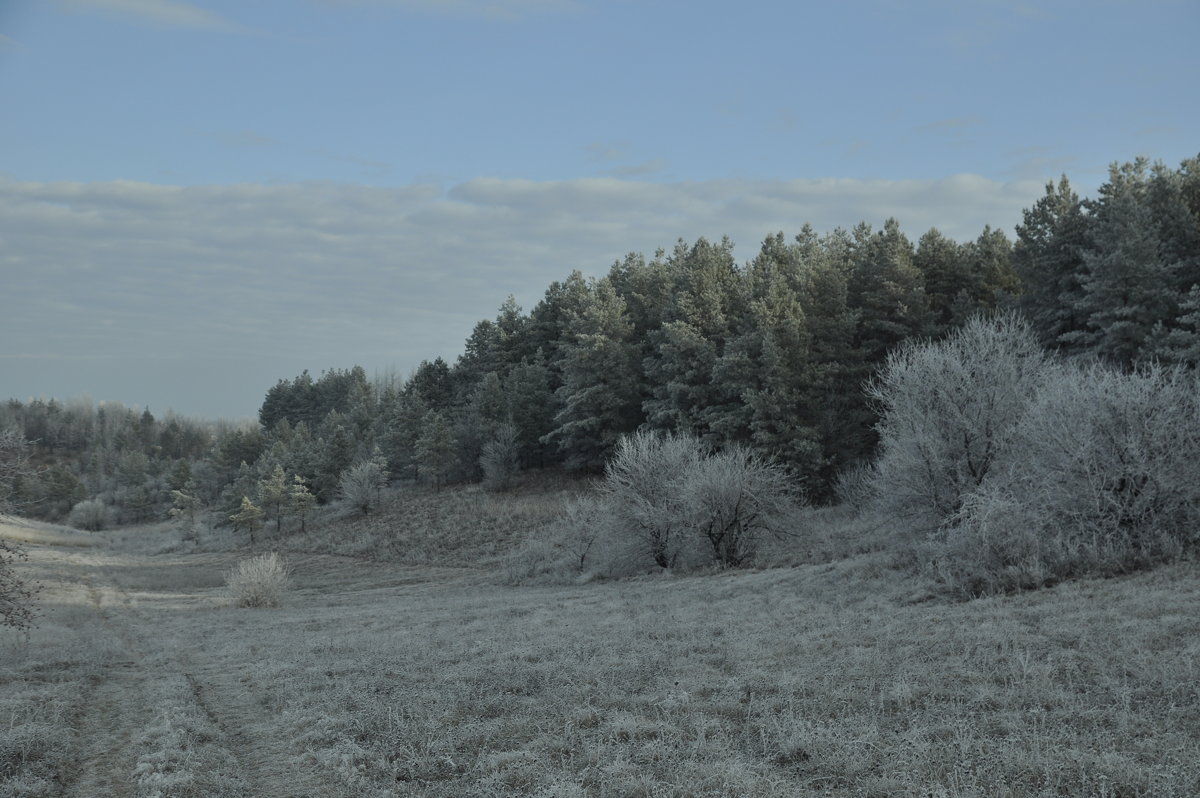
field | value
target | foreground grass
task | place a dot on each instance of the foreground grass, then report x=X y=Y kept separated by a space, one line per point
x=841 y=678
x=813 y=680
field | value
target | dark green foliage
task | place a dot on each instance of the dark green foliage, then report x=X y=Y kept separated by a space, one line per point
x=435 y=448
x=303 y=399
x=1048 y=257
x=1111 y=277
x=1127 y=286
x=600 y=397
x=888 y=289
x=532 y=408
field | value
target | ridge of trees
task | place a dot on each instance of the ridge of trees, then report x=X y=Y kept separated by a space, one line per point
x=771 y=355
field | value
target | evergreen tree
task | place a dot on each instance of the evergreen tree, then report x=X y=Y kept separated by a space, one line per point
x=888 y=291
x=1048 y=259
x=185 y=504
x=600 y=396
x=512 y=340
x=301 y=500
x=435 y=448
x=549 y=322
x=431 y=384
x=1127 y=288
x=1181 y=342
x=248 y=517
x=532 y=407
x=273 y=495
x=835 y=406
x=943 y=264
x=402 y=420
x=680 y=376
x=480 y=357
x=335 y=450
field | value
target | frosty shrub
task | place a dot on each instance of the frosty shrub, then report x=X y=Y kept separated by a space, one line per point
x=947 y=411
x=500 y=458
x=91 y=515
x=360 y=485
x=564 y=550
x=643 y=492
x=1104 y=478
x=733 y=499
x=259 y=581
x=855 y=486
x=674 y=504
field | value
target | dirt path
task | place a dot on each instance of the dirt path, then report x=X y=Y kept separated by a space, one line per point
x=116 y=708
x=170 y=691
x=160 y=713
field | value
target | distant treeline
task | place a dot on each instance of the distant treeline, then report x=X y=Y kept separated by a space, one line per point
x=772 y=353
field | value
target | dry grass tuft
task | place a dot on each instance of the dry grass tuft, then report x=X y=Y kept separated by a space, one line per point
x=260 y=581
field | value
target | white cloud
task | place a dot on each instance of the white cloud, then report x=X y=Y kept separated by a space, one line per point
x=168 y=13
x=262 y=281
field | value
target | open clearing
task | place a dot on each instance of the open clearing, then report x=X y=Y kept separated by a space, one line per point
x=374 y=679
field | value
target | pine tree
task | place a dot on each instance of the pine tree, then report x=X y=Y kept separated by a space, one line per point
x=1048 y=259
x=435 y=447
x=185 y=504
x=273 y=495
x=532 y=407
x=888 y=291
x=943 y=264
x=249 y=518
x=301 y=500
x=1127 y=288
x=680 y=373
x=600 y=396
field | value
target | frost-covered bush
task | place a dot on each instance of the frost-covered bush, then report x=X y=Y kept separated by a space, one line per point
x=260 y=581
x=360 y=485
x=564 y=549
x=1103 y=476
x=91 y=515
x=500 y=458
x=642 y=490
x=948 y=410
x=733 y=499
x=855 y=486
x=668 y=502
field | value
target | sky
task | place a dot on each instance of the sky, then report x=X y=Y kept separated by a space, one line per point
x=200 y=198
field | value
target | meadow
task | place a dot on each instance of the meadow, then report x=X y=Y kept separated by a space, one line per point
x=833 y=673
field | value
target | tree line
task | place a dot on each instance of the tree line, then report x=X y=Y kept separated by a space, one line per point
x=770 y=355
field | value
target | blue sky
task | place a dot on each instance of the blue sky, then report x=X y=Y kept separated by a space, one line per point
x=197 y=198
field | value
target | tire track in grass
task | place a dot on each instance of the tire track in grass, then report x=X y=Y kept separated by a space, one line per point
x=152 y=723
x=115 y=709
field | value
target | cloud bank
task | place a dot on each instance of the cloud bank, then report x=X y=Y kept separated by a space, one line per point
x=200 y=297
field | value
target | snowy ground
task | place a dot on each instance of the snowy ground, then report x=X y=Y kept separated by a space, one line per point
x=835 y=679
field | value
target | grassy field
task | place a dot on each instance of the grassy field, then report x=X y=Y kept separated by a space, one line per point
x=841 y=677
